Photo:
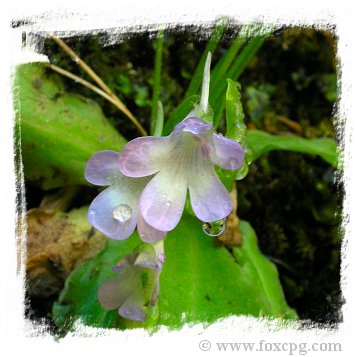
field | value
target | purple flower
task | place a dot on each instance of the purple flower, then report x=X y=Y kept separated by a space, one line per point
x=136 y=286
x=183 y=160
x=115 y=210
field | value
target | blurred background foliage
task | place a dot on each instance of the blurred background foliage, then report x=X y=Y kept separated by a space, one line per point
x=290 y=87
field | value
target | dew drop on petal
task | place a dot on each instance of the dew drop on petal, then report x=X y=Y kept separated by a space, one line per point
x=168 y=203
x=122 y=213
x=214 y=229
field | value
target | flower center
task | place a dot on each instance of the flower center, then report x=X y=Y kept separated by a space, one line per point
x=122 y=213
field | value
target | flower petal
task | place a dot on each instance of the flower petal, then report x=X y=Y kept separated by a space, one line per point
x=116 y=291
x=100 y=213
x=227 y=153
x=125 y=262
x=144 y=156
x=132 y=308
x=147 y=233
x=163 y=199
x=193 y=125
x=209 y=198
x=102 y=168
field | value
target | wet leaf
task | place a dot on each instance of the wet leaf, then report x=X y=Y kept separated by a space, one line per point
x=210 y=283
x=58 y=131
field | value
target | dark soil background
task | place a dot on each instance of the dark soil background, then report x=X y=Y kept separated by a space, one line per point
x=291 y=200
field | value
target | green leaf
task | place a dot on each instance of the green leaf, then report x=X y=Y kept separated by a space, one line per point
x=224 y=63
x=262 y=142
x=200 y=282
x=236 y=129
x=262 y=273
x=58 y=132
x=209 y=283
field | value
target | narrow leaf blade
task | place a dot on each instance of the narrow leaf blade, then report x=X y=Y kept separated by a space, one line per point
x=262 y=142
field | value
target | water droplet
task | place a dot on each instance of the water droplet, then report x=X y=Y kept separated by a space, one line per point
x=214 y=229
x=243 y=171
x=168 y=203
x=249 y=155
x=122 y=213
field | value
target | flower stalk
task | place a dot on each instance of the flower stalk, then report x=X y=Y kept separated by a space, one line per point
x=206 y=84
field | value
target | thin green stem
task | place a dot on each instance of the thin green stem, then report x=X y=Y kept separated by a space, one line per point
x=206 y=84
x=159 y=246
x=156 y=79
x=160 y=120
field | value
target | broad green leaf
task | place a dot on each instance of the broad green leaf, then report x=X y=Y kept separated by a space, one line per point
x=58 y=131
x=209 y=283
x=200 y=282
x=262 y=142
